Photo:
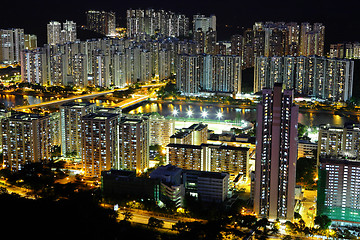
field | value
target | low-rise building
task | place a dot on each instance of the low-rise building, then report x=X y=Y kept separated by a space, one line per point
x=120 y=184
x=206 y=186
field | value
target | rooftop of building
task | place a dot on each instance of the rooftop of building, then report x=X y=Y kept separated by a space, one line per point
x=181 y=133
x=119 y=173
x=339 y=160
x=167 y=170
x=197 y=126
x=225 y=147
x=206 y=174
x=26 y=116
x=348 y=126
x=109 y=109
x=77 y=104
x=100 y=116
x=176 y=145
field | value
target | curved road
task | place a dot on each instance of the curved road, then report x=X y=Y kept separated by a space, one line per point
x=91 y=95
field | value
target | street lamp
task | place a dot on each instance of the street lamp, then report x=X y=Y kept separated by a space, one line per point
x=175 y=112
x=204 y=114
x=219 y=115
x=189 y=113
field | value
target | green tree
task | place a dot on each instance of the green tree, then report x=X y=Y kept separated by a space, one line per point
x=155 y=223
x=323 y=221
x=127 y=215
x=305 y=172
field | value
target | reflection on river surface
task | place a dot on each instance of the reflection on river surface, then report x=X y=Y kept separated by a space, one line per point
x=233 y=113
x=166 y=109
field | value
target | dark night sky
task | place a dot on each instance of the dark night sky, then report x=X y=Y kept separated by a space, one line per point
x=341 y=20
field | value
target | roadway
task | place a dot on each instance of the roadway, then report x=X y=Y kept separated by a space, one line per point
x=14 y=189
x=123 y=104
x=143 y=218
x=308 y=208
x=64 y=100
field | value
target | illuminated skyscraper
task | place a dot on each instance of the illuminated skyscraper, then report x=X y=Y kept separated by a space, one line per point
x=101 y=22
x=11 y=45
x=204 y=23
x=236 y=45
x=34 y=66
x=160 y=130
x=312 y=39
x=99 y=143
x=151 y=22
x=68 y=34
x=25 y=139
x=339 y=190
x=134 y=143
x=325 y=78
x=339 y=142
x=56 y=35
x=53 y=33
x=208 y=74
x=30 y=42
x=276 y=154
x=70 y=117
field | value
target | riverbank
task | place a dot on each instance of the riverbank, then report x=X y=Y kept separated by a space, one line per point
x=36 y=94
x=217 y=104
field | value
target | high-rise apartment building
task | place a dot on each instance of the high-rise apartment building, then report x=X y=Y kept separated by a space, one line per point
x=56 y=35
x=11 y=45
x=319 y=77
x=210 y=157
x=339 y=142
x=99 y=142
x=204 y=23
x=278 y=39
x=101 y=22
x=30 y=41
x=237 y=45
x=53 y=32
x=104 y=62
x=71 y=133
x=25 y=139
x=68 y=34
x=276 y=154
x=160 y=130
x=34 y=66
x=345 y=50
x=134 y=143
x=339 y=190
x=312 y=39
x=151 y=22
x=210 y=74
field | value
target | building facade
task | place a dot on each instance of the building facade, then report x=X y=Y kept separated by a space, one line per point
x=12 y=42
x=25 y=139
x=276 y=154
x=134 y=142
x=101 y=22
x=339 y=142
x=210 y=157
x=339 y=189
x=160 y=130
x=70 y=122
x=151 y=22
x=99 y=143
x=210 y=74
x=314 y=76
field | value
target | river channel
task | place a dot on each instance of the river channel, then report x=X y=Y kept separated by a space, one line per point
x=166 y=109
